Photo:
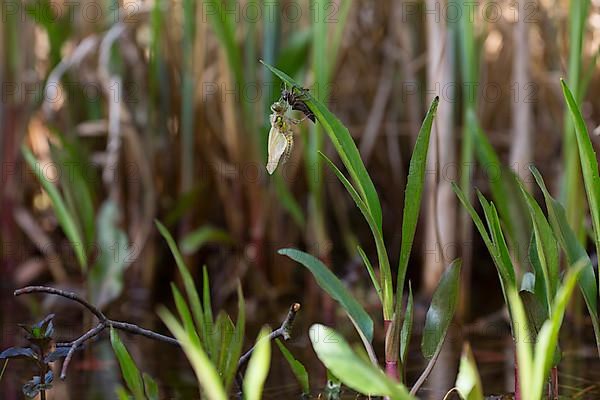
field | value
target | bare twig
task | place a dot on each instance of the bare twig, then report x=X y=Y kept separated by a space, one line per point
x=103 y=323
x=284 y=331
x=65 y=294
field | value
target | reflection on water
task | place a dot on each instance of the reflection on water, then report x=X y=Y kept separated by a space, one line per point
x=94 y=374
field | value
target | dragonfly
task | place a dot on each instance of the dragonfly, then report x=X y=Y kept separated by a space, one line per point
x=296 y=101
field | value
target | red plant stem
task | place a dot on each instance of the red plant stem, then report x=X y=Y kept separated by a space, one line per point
x=391 y=366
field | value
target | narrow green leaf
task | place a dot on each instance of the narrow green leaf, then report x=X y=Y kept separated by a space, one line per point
x=571 y=246
x=589 y=162
x=358 y=374
x=371 y=271
x=545 y=245
x=206 y=304
x=65 y=219
x=151 y=387
x=188 y=282
x=335 y=288
x=407 y=324
x=296 y=366
x=413 y=193
x=237 y=341
x=184 y=314
x=468 y=382
x=129 y=370
x=384 y=264
x=258 y=367
x=207 y=376
x=441 y=311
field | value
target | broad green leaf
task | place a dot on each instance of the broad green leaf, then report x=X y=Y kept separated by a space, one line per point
x=188 y=282
x=441 y=311
x=413 y=194
x=345 y=147
x=129 y=370
x=207 y=375
x=296 y=366
x=206 y=234
x=258 y=367
x=335 y=288
x=384 y=264
x=355 y=372
x=589 y=162
x=65 y=219
x=468 y=382
x=106 y=276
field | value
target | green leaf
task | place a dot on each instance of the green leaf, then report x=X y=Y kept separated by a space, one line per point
x=441 y=311
x=344 y=145
x=571 y=246
x=65 y=219
x=208 y=315
x=106 y=276
x=188 y=282
x=184 y=314
x=589 y=162
x=534 y=366
x=202 y=236
x=235 y=349
x=545 y=245
x=258 y=367
x=468 y=382
x=296 y=366
x=335 y=288
x=371 y=271
x=384 y=264
x=351 y=369
x=151 y=387
x=413 y=193
x=208 y=378
x=129 y=370
x=406 y=332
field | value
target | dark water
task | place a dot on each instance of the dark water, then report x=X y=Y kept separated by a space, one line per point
x=94 y=374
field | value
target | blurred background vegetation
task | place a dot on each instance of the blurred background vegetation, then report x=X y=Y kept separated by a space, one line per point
x=117 y=113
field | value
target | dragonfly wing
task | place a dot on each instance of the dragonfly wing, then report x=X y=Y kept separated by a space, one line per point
x=277 y=146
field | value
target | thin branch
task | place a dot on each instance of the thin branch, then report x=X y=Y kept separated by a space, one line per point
x=104 y=323
x=88 y=335
x=284 y=331
x=136 y=330
x=65 y=294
